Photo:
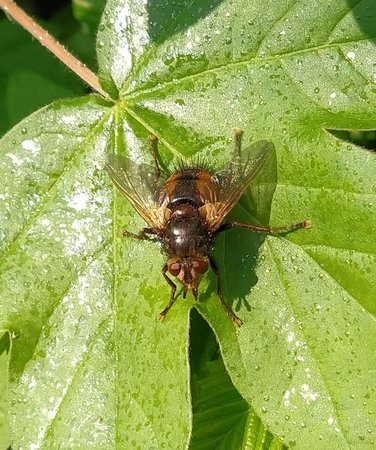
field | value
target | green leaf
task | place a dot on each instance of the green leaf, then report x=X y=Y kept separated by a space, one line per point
x=222 y=419
x=30 y=76
x=4 y=422
x=77 y=353
x=90 y=363
x=88 y=12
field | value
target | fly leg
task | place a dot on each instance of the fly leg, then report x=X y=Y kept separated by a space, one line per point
x=285 y=229
x=163 y=313
x=153 y=144
x=141 y=236
x=235 y=319
x=235 y=164
x=238 y=142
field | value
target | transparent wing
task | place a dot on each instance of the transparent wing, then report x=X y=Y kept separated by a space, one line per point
x=261 y=191
x=137 y=182
x=234 y=179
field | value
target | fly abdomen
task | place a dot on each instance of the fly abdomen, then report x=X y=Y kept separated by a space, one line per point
x=187 y=236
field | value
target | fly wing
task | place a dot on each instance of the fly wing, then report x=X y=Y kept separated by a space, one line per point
x=234 y=179
x=137 y=182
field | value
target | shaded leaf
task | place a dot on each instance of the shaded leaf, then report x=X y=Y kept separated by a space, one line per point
x=88 y=12
x=222 y=419
x=30 y=76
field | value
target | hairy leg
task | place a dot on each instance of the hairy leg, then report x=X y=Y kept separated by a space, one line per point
x=172 y=285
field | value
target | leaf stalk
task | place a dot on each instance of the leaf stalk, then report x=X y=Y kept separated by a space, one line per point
x=48 y=41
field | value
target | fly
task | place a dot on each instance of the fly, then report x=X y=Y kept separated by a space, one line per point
x=185 y=211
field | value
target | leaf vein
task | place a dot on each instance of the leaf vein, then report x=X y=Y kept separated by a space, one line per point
x=152 y=131
x=285 y=287
x=275 y=24
x=353 y=67
x=46 y=196
x=373 y=318
x=134 y=95
x=73 y=381
x=342 y=18
x=343 y=249
x=92 y=257
x=326 y=188
x=115 y=299
x=145 y=58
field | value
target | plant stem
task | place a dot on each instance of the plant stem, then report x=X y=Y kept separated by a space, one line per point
x=52 y=45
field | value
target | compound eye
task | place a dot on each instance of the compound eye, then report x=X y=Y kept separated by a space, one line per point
x=200 y=265
x=174 y=269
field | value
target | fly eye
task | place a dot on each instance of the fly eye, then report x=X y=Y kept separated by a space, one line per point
x=174 y=269
x=200 y=265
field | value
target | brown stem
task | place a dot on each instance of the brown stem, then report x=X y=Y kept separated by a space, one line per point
x=52 y=44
